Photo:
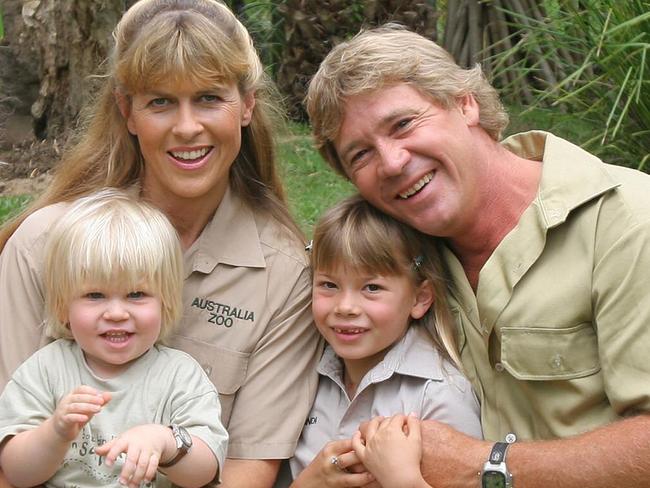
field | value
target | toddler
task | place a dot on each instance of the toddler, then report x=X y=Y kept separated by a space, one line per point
x=105 y=402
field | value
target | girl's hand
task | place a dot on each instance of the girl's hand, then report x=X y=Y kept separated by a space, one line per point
x=76 y=409
x=392 y=451
x=321 y=472
x=144 y=446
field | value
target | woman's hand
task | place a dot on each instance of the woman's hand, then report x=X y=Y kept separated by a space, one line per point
x=392 y=451
x=323 y=472
x=76 y=409
x=144 y=446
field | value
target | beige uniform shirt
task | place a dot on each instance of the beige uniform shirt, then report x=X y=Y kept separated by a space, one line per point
x=556 y=339
x=247 y=321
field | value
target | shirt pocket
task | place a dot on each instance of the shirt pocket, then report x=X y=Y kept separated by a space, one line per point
x=226 y=368
x=532 y=353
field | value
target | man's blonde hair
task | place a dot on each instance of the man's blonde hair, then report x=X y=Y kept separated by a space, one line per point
x=391 y=55
x=111 y=238
x=355 y=235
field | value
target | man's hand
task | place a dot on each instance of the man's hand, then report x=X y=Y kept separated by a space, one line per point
x=76 y=409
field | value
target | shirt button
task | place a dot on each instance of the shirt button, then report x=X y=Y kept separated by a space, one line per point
x=499 y=367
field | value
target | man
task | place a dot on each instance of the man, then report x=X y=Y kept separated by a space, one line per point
x=548 y=249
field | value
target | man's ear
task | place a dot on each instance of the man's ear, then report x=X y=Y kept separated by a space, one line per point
x=248 y=104
x=469 y=108
x=424 y=297
x=124 y=104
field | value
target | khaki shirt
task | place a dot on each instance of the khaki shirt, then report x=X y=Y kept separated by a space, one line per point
x=556 y=339
x=247 y=321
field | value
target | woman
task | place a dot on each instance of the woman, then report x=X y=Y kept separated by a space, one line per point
x=184 y=118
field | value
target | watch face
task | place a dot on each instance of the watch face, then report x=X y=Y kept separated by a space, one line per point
x=185 y=436
x=493 y=479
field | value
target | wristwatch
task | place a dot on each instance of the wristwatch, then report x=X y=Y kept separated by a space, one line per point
x=183 y=444
x=495 y=473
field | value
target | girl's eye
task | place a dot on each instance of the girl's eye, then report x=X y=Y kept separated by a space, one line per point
x=94 y=295
x=372 y=287
x=134 y=295
x=328 y=285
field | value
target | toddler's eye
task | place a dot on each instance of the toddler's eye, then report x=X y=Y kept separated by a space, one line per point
x=136 y=294
x=372 y=287
x=94 y=295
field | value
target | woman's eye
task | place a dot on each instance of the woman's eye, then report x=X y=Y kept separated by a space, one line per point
x=159 y=102
x=209 y=98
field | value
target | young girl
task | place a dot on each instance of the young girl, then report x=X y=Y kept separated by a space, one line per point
x=372 y=278
x=105 y=403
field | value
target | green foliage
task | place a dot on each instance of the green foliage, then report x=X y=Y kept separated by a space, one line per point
x=11 y=205
x=599 y=52
x=2 y=25
x=311 y=185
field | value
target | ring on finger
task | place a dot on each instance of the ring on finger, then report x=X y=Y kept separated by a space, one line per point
x=336 y=462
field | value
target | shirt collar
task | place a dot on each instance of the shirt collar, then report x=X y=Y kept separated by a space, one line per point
x=230 y=237
x=413 y=355
x=570 y=175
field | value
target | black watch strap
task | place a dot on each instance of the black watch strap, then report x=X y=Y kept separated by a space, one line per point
x=498 y=453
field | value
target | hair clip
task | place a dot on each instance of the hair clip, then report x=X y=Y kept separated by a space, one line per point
x=417 y=262
x=309 y=246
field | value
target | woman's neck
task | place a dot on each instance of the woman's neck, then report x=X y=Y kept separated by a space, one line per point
x=188 y=216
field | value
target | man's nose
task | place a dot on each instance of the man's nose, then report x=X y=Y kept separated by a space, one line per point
x=393 y=158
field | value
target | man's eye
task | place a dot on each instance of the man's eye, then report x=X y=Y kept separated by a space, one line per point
x=358 y=156
x=403 y=123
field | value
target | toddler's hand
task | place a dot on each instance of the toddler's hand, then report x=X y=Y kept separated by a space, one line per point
x=144 y=446
x=76 y=409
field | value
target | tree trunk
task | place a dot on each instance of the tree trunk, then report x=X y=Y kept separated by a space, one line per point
x=59 y=43
x=313 y=27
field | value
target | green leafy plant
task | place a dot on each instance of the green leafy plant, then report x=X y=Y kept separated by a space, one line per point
x=590 y=60
x=11 y=205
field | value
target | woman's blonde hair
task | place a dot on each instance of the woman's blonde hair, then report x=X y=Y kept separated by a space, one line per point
x=385 y=56
x=355 y=235
x=108 y=239
x=163 y=41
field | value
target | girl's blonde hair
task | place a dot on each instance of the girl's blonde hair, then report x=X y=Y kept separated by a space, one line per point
x=390 y=55
x=161 y=42
x=108 y=239
x=355 y=235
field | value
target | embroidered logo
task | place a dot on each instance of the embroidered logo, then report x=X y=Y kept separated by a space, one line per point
x=222 y=314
